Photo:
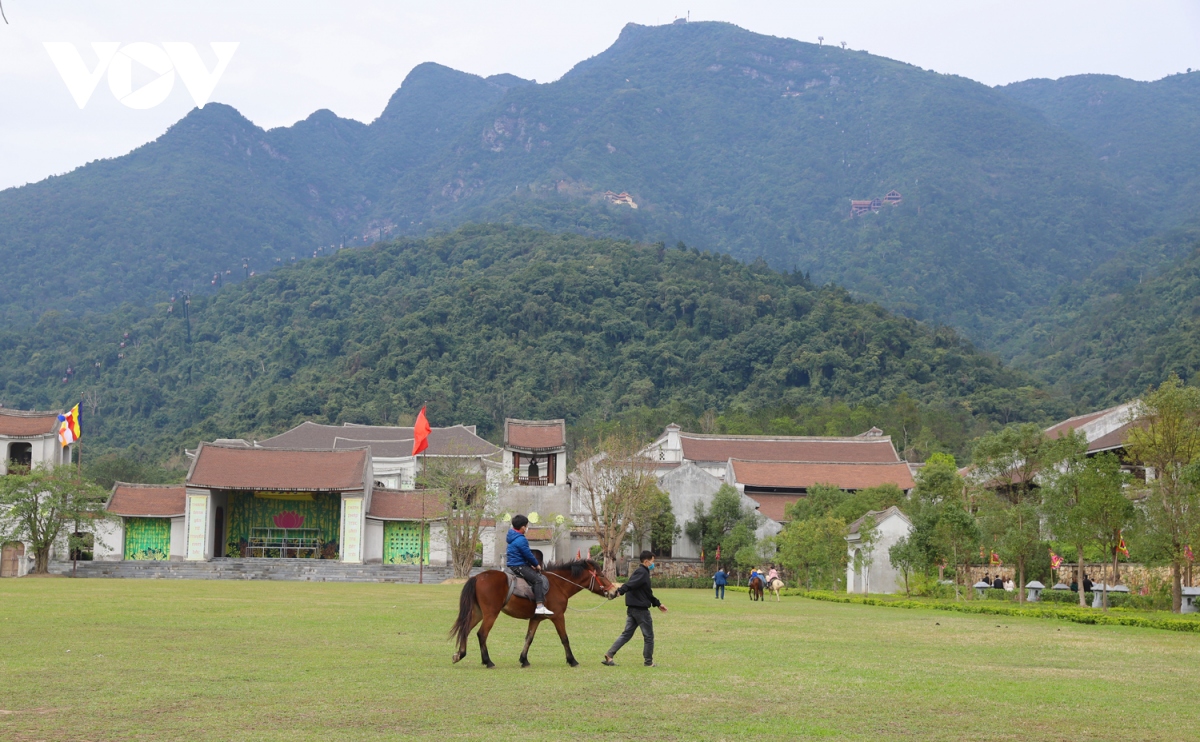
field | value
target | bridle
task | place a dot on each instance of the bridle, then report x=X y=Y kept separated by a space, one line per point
x=592 y=581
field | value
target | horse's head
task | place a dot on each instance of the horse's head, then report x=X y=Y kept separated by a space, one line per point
x=586 y=574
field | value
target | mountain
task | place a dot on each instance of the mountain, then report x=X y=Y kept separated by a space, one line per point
x=491 y=322
x=216 y=192
x=1124 y=329
x=1146 y=135
x=730 y=141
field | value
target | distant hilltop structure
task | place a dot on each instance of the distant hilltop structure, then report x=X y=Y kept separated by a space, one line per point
x=620 y=199
x=858 y=207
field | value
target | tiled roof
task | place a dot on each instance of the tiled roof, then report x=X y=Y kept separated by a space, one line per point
x=379 y=449
x=797 y=475
x=1109 y=441
x=227 y=467
x=388 y=504
x=454 y=441
x=698 y=447
x=1073 y=423
x=23 y=424
x=774 y=506
x=535 y=434
x=147 y=500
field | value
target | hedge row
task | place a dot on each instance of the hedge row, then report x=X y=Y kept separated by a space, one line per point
x=1030 y=610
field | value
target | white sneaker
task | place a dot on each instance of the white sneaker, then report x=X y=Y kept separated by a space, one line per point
x=541 y=610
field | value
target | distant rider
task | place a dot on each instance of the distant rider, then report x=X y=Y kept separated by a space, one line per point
x=524 y=564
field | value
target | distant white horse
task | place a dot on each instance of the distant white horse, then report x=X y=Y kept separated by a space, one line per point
x=774 y=586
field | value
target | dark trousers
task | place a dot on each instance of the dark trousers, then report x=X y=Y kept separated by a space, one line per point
x=636 y=617
x=720 y=591
x=535 y=580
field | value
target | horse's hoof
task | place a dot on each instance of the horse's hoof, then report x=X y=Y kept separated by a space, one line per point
x=525 y=664
x=489 y=665
x=573 y=663
x=455 y=658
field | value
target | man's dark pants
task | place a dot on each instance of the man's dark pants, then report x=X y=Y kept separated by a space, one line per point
x=636 y=617
x=720 y=591
x=530 y=575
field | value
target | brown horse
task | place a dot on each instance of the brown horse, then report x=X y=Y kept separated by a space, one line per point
x=483 y=600
x=756 y=588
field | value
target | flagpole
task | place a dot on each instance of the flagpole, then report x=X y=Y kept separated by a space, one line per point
x=421 y=533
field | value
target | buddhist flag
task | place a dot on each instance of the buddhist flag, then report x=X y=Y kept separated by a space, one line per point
x=1187 y=554
x=420 y=433
x=68 y=427
x=996 y=559
x=718 y=552
x=1055 y=560
x=1121 y=547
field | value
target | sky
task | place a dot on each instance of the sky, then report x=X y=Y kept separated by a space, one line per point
x=295 y=56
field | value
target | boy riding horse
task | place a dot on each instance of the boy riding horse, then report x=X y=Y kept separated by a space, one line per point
x=522 y=562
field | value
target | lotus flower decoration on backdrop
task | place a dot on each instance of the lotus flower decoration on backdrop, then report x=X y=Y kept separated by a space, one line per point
x=288 y=519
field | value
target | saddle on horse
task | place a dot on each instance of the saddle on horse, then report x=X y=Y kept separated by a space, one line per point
x=519 y=588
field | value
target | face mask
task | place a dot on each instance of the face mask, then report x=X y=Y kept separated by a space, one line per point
x=650 y=565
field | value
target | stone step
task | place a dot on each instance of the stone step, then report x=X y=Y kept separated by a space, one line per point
x=303 y=570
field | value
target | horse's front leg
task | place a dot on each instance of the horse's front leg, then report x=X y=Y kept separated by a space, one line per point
x=560 y=624
x=488 y=620
x=533 y=627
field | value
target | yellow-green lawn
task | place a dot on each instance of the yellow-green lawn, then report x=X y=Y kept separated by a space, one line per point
x=95 y=659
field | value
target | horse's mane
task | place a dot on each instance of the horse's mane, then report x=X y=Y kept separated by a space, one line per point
x=577 y=566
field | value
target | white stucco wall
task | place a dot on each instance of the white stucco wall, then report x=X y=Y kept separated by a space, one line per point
x=879 y=575
x=44 y=450
x=178 y=538
x=110 y=540
x=373 y=542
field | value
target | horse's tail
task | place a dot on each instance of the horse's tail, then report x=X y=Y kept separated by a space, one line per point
x=466 y=611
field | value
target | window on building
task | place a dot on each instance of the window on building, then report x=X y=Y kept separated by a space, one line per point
x=20 y=456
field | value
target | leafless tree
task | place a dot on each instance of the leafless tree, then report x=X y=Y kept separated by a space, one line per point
x=820 y=41
x=614 y=481
x=457 y=491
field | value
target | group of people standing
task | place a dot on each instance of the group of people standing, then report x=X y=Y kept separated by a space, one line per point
x=721 y=579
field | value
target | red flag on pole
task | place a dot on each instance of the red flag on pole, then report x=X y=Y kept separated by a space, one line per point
x=718 y=552
x=420 y=433
x=578 y=554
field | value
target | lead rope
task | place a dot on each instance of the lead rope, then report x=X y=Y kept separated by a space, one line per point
x=591 y=584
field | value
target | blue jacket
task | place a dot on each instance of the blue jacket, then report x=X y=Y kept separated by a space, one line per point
x=519 y=552
x=720 y=577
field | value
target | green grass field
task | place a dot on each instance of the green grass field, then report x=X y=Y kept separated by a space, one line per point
x=138 y=659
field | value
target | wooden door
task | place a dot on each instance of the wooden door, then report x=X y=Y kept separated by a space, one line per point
x=10 y=559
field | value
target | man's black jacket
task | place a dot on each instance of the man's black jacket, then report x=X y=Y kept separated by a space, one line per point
x=637 y=590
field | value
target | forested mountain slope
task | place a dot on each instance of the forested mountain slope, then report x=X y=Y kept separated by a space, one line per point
x=1145 y=134
x=486 y=323
x=731 y=141
x=216 y=190
x=1125 y=329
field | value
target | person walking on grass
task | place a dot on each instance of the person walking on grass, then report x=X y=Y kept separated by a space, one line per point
x=638 y=600
x=720 y=580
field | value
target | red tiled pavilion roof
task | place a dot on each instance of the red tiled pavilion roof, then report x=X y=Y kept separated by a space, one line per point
x=223 y=467
x=389 y=504
x=535 y=434
x=23 y=424
x=876 y=449
x=147 y=500
x=802 y=475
